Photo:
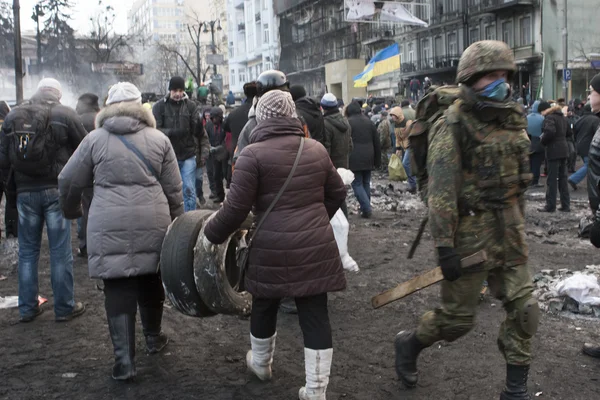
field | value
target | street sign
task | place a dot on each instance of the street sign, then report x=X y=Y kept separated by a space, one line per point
x=216 y=59
x=566 y=75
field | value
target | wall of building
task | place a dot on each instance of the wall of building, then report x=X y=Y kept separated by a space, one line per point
x=339 y=79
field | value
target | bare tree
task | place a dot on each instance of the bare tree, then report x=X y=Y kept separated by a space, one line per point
x=103 y=40
x=586 y=55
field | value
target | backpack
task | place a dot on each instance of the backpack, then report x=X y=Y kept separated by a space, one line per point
x=31 y=145
x=429 y=110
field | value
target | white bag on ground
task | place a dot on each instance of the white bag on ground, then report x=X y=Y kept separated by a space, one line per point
x=341 y=227
x=580 y=287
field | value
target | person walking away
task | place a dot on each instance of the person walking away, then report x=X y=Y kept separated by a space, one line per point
x=137 y=193
x=415 y=88
x=555 y=131
x=308 y=109
x=401 y=125
x=365 y=155
x=11 y=216
x=312 y=197
x=385 y=131
x=230 y=100
x=584 y=130
x=426 y=85
x=202 y=153
x=87 y=108
x=535 y=120
x=39 y=136
x=472 y=210
x=179 y=118
x=338 y=138
x=202 y=94
x=408 y=111
x=218 y=153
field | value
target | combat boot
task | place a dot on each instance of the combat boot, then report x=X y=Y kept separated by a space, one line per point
x=408 y=348
x=317 y=364
x=260 y=358
x=122 y=334
x=516 y=383
x=151 y=322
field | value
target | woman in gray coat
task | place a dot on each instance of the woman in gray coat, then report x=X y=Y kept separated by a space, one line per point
x=137 y=193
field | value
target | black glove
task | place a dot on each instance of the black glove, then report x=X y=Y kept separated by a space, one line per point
x=595 y=234
x=450 y=263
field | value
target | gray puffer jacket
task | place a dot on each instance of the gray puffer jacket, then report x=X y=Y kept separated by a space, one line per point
x=131 y=209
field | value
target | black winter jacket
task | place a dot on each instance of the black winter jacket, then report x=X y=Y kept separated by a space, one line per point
x=555 y=131
x=337 y=138
x=66 y=131
x=181 y=122
x=237 y=119
x=366 y=153
x=593 y=175
x=310 y=111
x=584 y=130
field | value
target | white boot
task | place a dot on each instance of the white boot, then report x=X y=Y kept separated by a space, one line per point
x=317 y=364
x=260 y=358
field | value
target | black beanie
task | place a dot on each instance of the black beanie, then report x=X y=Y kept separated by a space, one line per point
x=543 y=106
x=177 y=82
x=250 y=90
x=297 y=92
x=595 y=83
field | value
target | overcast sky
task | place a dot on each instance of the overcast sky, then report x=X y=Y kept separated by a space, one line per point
x=81 y=14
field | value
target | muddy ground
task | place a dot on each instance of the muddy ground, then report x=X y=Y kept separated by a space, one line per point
x=206 y=357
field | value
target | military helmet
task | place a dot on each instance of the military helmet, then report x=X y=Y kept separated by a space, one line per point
x=271 y=80
x=484 y=57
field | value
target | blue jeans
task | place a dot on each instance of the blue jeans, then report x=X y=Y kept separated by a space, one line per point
x=412 y=182
x=187 y=169
x=581 y=173
x=362 y=189
x=199 y=182
x=35 y=208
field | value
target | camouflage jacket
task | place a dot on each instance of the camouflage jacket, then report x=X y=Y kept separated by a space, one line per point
x=478 y=165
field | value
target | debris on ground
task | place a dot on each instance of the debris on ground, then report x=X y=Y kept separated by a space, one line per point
x=9 y=302
x=563 y=290
x=388 y=197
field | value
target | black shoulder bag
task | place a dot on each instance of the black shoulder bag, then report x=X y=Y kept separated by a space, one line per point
x=243 y=252
x=139 y=154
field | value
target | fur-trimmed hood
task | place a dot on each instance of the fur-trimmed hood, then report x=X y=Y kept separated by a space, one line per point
x=551 y=110
x=125 y=117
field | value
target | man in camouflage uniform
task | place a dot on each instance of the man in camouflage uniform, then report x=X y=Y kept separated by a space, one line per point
x=478 y=165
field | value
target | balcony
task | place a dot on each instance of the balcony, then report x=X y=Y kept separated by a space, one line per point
x=257 y=17
x=497 y=5
x=524 y=52
x=239 y=4
x=241 y=27
x=430 y=64
x=378 y=35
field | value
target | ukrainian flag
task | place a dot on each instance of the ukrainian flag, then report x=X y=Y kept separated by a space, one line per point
x=386 y=60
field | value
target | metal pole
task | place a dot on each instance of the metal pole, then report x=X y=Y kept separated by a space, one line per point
x=214 y=45
x=18 y=60
x=565 y=54
x=198 y=67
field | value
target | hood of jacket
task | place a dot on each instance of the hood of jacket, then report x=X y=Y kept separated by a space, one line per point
x=309 y=105
x=44 y=97
x=126 y=117
x=553 y=110
x=397 y=111
x=274 y=127
x=534 y=107
x=353 y=109
x=338 y=121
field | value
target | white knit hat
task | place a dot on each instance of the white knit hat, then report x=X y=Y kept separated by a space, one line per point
x=123 y=91
x=275 y=104
x=50 y=84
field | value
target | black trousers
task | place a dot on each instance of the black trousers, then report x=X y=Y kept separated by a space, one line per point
x=210 y=173
x=312 y=314
x=11 y=215
x=557 y=179
x=219 y=169
x=536 y=160
x=122 y=296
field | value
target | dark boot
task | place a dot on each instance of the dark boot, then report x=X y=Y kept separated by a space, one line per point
x=122 y=334
x=151 y=322
x=516 y=383
x=408 y=348
x=591 y=350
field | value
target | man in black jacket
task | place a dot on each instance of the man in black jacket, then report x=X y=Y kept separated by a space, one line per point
x=365 y=156
x=584 y=130
x=11 y=217
x=37 y=140
x=179 y=118
x=309 y=111
x=555 y=131
x=219 y=156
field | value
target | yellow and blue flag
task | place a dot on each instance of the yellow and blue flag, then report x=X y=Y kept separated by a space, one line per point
x=384 y=61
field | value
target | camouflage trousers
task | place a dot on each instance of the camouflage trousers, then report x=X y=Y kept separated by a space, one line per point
x=460 y=299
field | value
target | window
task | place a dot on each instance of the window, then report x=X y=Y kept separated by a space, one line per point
x=242 y=76
x=265 y=5
x=258 y=36
x=525 y=28
x=232 y=74
x=411 y=53
x=474 y=35
x=266 y=38
x=231 y=50
x=439 y=47
x=507 y=33
x=451 y=6
x=490 y=32
x=452 y=44
x=425 y=53
x=268 y=66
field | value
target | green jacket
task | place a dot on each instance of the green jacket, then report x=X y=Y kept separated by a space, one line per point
x=338 y=138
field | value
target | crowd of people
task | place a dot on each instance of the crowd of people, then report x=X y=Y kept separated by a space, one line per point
x=126 y=170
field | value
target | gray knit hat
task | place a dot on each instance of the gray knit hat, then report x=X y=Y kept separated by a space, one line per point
x=275 y=104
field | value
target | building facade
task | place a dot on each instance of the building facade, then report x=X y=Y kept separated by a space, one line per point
x=253 y=46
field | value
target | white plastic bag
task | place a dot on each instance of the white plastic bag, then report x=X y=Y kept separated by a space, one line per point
x=9 y=302
x=341 y=227
x=580 y=287
x=347 y=175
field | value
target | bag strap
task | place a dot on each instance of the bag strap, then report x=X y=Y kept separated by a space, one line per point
x=138 y=153
x=285 y=185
